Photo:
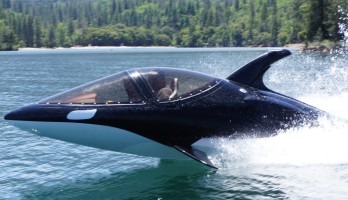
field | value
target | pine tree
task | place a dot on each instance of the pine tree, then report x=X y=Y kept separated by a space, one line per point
x=51 y=38
x=38 y=33
x=275 y=24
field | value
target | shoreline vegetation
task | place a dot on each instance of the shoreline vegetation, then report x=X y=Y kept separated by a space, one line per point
x=312 y=25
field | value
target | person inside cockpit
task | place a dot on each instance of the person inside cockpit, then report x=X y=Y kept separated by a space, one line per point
x=157 y=81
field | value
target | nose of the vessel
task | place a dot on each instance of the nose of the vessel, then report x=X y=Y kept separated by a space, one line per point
x=25 y=113
x=18 y=114
x=24 y=117
x=9 y=116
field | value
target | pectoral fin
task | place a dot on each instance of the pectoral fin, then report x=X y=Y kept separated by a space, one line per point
x=196 y=154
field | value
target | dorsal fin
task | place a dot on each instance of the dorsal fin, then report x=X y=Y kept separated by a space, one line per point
x=252 y=73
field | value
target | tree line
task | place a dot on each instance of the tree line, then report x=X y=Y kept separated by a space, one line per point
x=183 y=23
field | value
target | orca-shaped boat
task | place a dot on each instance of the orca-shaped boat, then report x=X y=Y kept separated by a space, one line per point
x=165 y=112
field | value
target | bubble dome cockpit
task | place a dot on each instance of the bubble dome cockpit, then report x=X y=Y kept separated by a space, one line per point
x=138 y=86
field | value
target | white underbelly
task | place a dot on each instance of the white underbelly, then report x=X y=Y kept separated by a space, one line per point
x=103 y=137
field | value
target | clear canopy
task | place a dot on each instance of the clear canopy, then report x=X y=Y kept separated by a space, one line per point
x=170 y=84
x=165 y=84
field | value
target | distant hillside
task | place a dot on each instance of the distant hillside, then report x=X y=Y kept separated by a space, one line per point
x=185 y=23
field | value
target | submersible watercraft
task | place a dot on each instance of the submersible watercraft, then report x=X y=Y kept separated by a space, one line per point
x=165 y=112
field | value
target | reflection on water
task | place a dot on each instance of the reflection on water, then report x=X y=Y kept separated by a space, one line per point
x=185 y=180
x=186 y=177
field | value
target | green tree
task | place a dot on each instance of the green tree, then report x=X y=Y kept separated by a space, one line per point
x=38 y=33
x=51 y=37
x=189 y=23
x=275 y=24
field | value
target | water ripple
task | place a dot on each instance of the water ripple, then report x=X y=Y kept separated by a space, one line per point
x=306 y=163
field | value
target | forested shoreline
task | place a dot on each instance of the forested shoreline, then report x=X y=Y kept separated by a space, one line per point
x=181 y=23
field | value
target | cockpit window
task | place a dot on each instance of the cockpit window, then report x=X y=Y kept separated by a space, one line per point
x=171 y=84
x=115 y=89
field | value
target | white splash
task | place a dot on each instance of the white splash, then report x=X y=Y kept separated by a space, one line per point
x=326 y=144
x=333 y=104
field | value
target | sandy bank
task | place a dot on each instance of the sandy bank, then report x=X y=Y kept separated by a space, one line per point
x=91 y=48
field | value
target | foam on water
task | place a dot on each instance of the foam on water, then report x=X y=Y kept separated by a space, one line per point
x=326 y=144
x=334 y=104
